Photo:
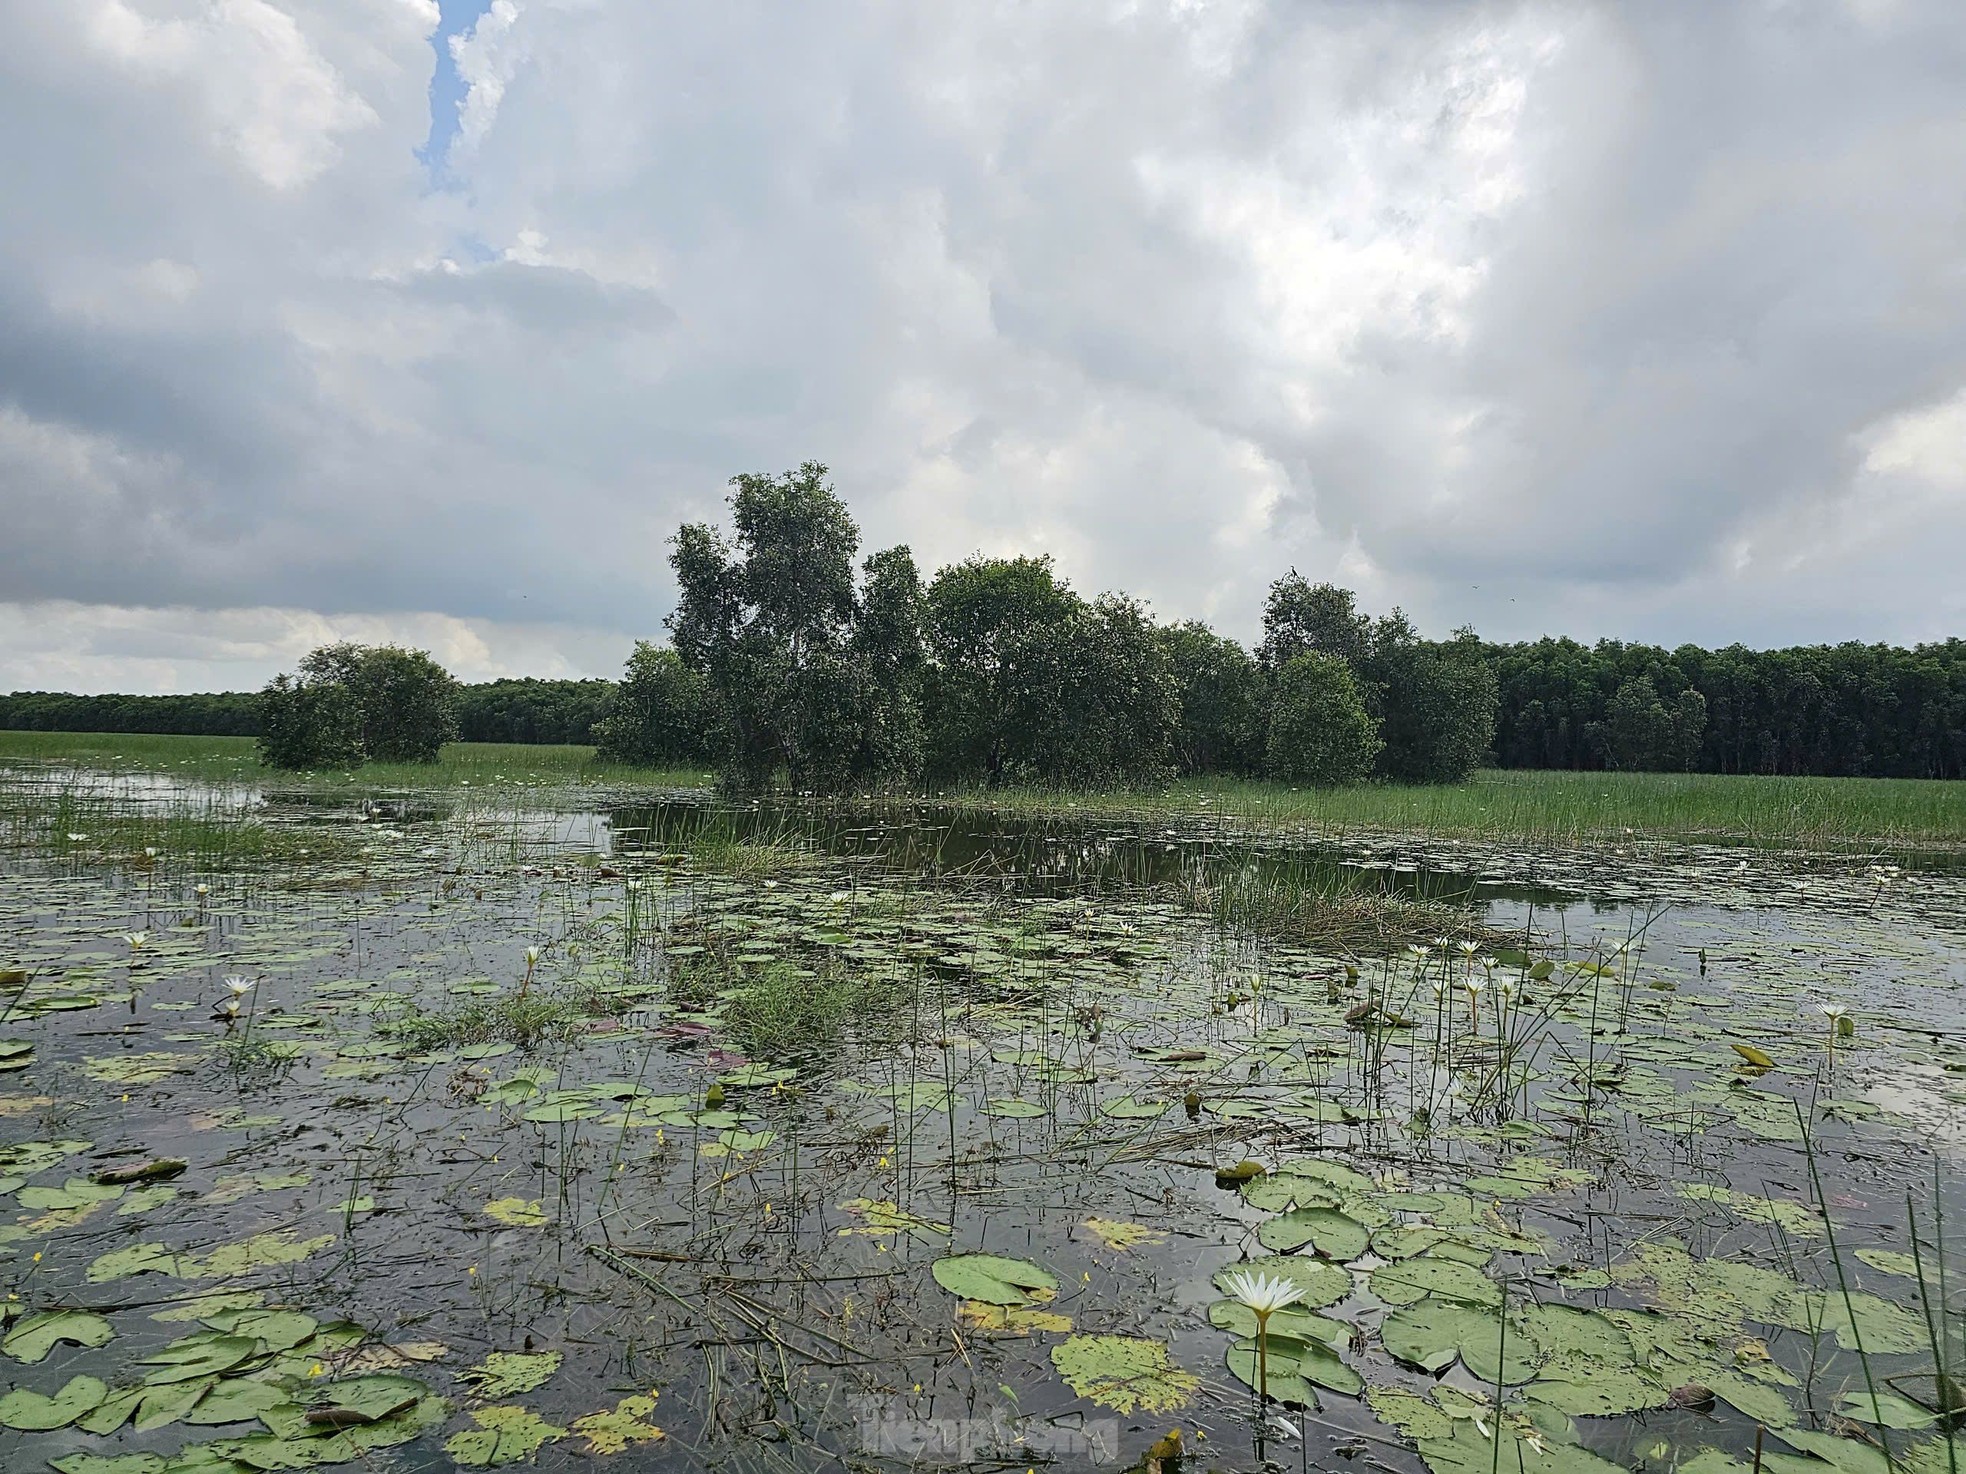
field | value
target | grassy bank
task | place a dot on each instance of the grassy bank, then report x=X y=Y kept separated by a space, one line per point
x=235 y=759
x=1542 y=807
x=1565 y=808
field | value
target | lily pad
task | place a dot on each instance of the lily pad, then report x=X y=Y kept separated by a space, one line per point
x=35 y=1412
x=1329 y=1233
x=1322 y=1282
x=504 y=1435
x=516 y=1212
x=31 y=1338
x=612 y=1430
x=1124 y=1373
x=508 y=1373
x=993 y=1279
x=1407 y=1280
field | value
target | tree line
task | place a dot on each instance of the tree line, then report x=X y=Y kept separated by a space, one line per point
x=1848 y=710
x=513 y=710
x=791 y=659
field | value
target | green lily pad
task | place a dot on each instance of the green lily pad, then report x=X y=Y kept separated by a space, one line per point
x=34 y=1412
x=1124 y=1373
x=1310 y=1363
x=993 y=1279
x=508 y=1373
x=504 y=1435
x=31 y=1338
x=1407 y=1280
x=1322 y=1282
x=1329 y=1233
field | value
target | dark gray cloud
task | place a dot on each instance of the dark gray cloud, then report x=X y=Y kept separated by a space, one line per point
x=1600 y=318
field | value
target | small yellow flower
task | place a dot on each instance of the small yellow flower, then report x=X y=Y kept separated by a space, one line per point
x=316 y=1370
x=37 y=1256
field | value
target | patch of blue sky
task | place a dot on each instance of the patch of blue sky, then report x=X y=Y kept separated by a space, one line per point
x=447 y=89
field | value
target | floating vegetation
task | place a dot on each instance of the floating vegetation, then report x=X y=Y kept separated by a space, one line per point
x=539 y=1133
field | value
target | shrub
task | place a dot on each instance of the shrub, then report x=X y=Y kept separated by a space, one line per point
x=1320 y=731
x=354 y=703
x=309 y=724
x=660 y=715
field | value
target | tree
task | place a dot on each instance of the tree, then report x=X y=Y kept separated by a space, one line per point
x=1320 y=732
x=1435 y=702
x=305 y=724
x=352 y=703
x=887 y=646
x=1301 y=618
x=1642 y=733
x=660 y=713
x=1224 y=702
x=769 y=622
x=994 y=627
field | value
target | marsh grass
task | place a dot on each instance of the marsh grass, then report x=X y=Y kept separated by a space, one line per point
x=82 y=821
x=1558 y=808
x=526 y=1019
x=1314 y=909
x=236 y=760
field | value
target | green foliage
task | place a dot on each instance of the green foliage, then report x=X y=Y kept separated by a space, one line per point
x=1301 y=618
x=533 y=711
x=660 y=713
x=1224 y=703
x=350 y=704
x=1436 y=703
x=799 y=681
x=1031 y=684
x=992 y=626
x=1640 y=732
x=305 y=724
x=1847 y=710
x=1320 y=731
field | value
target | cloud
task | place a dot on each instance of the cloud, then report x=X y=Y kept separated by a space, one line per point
x=1587 y=318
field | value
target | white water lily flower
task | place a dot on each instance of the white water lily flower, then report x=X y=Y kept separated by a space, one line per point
x=1468 y=949
x=77 y=838
x=149 y=852
x=1265 y=1294
x=1414 y=949
x=1474 y=985
x=532 y=956
x=239 y=985
x=201 y=889
x=1444 y=944
x=136 y=939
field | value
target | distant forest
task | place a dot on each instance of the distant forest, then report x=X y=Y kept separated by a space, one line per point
x=1848 y=710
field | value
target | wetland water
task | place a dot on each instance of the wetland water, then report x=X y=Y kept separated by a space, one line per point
x=670 y=1135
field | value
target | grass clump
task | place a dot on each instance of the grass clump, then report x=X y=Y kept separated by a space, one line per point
x=781 y=1010
x=526 y=1019
x=1318 y=912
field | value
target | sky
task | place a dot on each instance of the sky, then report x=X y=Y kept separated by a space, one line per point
x=398 y=320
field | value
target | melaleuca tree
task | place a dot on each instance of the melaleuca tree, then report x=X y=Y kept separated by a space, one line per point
x=1029 y=683
x=660 y=712
x=1435 y=701
x=1303 y=618
x=769 y=620
x=1224 y=702
x=1641 y=732
x=993 y=632
x=887 y=648
x=1320 y=732
x=306 y=724
x=351 y=703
